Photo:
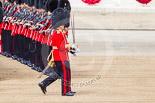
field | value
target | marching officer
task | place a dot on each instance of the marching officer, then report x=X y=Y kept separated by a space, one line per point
x=60 y=59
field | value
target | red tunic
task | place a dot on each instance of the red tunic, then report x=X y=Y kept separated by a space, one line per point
x=2 y=25
x=28 y=33
x=6 y=26
x=20 y=30
x=32 y=34
x=37 y=35
x=59 y=41
x=13 y=30
x=44 y=38
x=16 y=29
x=10 y=26
x=0 y=28
x=49 y=40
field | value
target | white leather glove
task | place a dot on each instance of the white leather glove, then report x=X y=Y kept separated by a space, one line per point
x=73 y=52
x=75 y=47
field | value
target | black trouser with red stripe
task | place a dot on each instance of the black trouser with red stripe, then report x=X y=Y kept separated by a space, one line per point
x=62 y=69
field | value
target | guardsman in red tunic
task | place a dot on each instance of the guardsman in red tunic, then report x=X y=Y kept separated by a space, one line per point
x=33 y=31
x=39 y=37
x=15 y=31
x=1 y=19
x=3 y=36
x=30 y=48
x=5 y=44
x=60 y=58
x=44 y=39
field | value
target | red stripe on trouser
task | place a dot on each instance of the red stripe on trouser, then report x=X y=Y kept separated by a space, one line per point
x=1 y=49
x=65 y=77
x=69 y=80
x=0 y=41
x=0 y=46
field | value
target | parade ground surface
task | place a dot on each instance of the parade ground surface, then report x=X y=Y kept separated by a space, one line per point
x=114 y=66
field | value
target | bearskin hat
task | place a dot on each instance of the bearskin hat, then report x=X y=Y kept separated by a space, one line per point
x=58 y=17
x=26 y=1
x=1 y=13
x=44 y=4
x=10 y=1
x=67 y=19
x=30 y=3
x=65 y=4
x=53 y=4
x=36 y=4
x=18 y=2
x=22 y=1
x=41 y=4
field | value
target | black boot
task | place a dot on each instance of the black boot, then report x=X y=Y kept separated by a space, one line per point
x=43 y=88
x=73 y=92
x=29 y=64
x=14 y=57
x=68 y=94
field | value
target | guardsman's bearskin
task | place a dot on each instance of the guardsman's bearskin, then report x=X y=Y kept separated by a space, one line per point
x=31 y=3
x=10 y=1
x=36 y=4
x=67 y=20
x=41 y=5
x=58 y=17
x=51 y=5
x=1 y=13
x=18 y=1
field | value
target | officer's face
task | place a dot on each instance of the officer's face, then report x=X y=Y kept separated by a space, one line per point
x=61 y=27
x=66 y=29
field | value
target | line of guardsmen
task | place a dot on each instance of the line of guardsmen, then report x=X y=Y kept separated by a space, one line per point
x=25 y=30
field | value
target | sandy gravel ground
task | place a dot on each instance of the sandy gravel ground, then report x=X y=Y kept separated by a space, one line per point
x=113 y=66
x=114 y=20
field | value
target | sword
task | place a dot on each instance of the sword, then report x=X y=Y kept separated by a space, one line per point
x=73 y=29
x=43 y=72
x=73 y=34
